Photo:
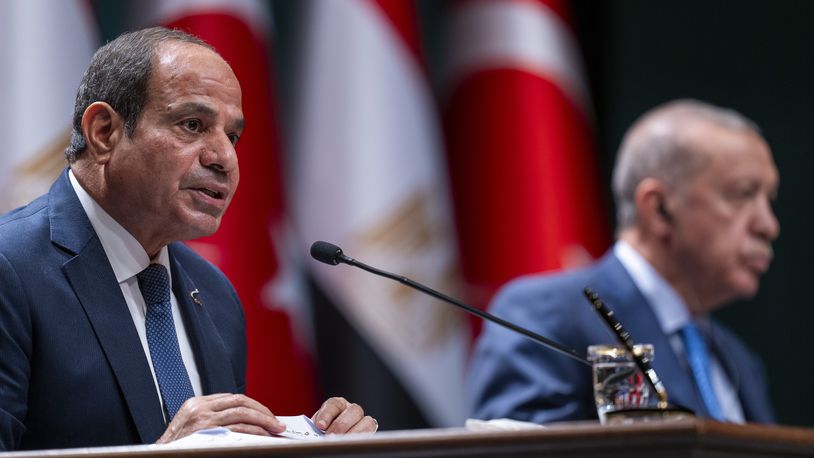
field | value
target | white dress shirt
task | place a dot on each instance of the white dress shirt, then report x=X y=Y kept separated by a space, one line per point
x=128 y=258
x=672 y=314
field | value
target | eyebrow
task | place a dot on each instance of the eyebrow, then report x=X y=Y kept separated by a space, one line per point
x=193 y=108
x=202 y=109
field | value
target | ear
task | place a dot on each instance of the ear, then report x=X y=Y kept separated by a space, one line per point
x=652 y=206
x=103 y=129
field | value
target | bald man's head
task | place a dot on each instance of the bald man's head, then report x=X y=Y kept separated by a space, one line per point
x=666 y=143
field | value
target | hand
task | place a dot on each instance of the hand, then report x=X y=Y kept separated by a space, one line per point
x=338 y=416
x=236 y=412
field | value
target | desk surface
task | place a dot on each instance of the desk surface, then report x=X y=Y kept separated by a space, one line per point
x=681 y=438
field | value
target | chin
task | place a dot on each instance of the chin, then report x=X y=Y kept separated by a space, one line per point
x=208 y=230
x=747 y=288
x=201 y=226
x=733 y=289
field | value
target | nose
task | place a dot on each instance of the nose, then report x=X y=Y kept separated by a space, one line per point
x=219 y=154
x=765 y=223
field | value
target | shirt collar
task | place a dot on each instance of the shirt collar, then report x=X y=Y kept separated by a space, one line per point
x=126 y=255
x=671 y=311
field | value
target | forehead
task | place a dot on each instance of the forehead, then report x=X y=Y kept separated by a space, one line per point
x=733 y=154
x=185 y=70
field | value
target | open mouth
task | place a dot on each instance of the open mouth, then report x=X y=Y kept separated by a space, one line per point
x=211 y=193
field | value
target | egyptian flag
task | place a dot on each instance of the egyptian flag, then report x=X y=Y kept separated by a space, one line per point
x=45 y=48
x=370 y=176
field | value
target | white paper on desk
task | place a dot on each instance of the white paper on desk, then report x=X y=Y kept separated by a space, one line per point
x=500 y=424
x=218 y=437
x=298 y=427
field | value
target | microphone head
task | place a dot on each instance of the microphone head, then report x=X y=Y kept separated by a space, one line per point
x=326 y=252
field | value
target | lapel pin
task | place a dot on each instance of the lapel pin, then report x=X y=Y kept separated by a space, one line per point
x=194 y=295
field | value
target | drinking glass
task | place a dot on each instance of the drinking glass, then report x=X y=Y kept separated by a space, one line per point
x=619 y=385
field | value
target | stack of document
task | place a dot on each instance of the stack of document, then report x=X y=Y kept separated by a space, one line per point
x=298 y=427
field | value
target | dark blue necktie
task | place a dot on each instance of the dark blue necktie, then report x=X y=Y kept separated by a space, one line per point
x=698 y=356
x=173 y=380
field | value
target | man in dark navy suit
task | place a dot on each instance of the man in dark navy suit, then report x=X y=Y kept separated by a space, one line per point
x=111 y=331
x=693 y=185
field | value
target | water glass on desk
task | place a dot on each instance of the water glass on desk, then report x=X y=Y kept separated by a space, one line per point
x=618 y=384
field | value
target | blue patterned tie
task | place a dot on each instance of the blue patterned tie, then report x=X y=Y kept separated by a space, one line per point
x=698 y=356
x=173 y=380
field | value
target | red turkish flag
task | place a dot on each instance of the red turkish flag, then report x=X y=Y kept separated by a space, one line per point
x=524 y=174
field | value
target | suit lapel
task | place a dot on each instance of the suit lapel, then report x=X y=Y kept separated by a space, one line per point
x=211 y=357
x=94 y=283
x=620 y=293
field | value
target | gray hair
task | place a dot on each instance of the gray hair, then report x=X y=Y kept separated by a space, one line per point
x=119 y=74
x=656 y=146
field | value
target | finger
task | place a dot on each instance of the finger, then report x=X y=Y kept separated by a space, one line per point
x=237 y=408
x=368 y=424
x=219 y=410
x=247 y=415
x=248 y=429
x=329 y=410
x=225 y=401
x=213 y=402
x=352 y=414
x=200 y=408
x=198 y=402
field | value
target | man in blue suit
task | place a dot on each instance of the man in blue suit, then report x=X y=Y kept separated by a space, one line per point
x=693 y=185
x=111 y=331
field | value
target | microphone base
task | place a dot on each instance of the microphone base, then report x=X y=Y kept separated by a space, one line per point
x=646 y=415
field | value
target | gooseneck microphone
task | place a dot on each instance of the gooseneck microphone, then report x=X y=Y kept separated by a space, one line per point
x=625 y=339
x=333 y=255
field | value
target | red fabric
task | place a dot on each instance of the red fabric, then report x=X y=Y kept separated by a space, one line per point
x=402 y=16
x=524 y=177
x=560 y=7
x=280 y=375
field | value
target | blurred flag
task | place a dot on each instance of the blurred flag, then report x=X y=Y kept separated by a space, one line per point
x=45 y=47
x=370 y=177
x=525 y=183
x=250 y=246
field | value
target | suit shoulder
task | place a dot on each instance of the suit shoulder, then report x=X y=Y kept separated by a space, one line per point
x=20 y=214
x=20 y=227
x=542 y=290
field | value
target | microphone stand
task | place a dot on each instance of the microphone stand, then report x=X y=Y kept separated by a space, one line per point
x=332 y=255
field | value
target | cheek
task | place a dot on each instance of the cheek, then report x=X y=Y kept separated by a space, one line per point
x=173 y=164
x=234 y=181
x=736 y=235
x=726 y=248
x=707 y=247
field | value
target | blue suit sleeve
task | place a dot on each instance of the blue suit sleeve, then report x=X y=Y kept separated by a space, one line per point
x=514 y=377
x=15 y=351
